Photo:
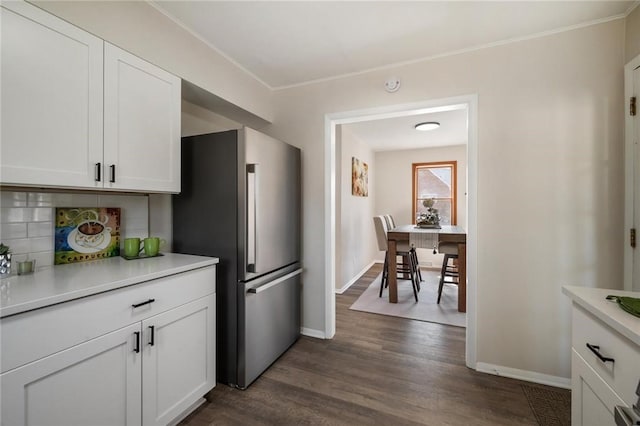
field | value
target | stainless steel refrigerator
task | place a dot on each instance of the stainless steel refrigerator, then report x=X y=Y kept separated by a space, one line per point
x=240 y=202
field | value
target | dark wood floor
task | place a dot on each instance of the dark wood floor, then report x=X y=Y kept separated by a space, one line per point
x=377 y=370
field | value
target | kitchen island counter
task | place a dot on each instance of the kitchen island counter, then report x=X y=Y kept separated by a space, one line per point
x=61 y=283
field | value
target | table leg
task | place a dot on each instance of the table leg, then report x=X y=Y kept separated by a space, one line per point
x=462 y=277
x=405 y=266
x=391 y=270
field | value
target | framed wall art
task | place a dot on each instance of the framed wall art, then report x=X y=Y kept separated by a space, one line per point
x=86 y=233
x=359 y=178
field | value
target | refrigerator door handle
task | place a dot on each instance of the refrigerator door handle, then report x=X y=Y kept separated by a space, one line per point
x=252 y=217
x=267 y=286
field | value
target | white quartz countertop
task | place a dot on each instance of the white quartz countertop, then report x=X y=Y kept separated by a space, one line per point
x=61 y=283
x=593 y=300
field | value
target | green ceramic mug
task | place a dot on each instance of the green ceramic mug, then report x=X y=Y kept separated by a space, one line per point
x=152 y=246
x=132 y=247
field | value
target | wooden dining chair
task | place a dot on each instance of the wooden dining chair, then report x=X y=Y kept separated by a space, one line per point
x=402 y=250
x=450 y=251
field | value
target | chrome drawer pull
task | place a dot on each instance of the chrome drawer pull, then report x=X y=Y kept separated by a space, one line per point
x=596 y=350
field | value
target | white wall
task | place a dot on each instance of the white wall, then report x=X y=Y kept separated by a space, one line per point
x=632 y=35
x=550 y=178
x=356 y=245
x=393 y=189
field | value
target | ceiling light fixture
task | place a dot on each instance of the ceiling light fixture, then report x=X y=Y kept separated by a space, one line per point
x=428 y=125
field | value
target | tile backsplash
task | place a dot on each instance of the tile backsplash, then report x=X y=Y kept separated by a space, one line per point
x=26 y=219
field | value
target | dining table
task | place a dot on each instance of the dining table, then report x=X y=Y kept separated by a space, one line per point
x=428 y=238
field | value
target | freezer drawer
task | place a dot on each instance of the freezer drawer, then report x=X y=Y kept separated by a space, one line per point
x=271 y=326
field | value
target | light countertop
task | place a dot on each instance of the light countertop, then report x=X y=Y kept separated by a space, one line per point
x=61 y=283
x=593 y=300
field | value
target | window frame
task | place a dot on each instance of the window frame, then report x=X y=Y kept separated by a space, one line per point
x=454 y=187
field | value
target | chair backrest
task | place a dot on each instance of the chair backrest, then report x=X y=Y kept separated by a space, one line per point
x=390 y=222
x=381 y=232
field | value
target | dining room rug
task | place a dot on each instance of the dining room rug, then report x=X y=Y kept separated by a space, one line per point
x=426 y=309
x=551 y=407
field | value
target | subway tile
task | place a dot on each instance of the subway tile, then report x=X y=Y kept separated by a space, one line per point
x=133 y=202
x=13 y=199
x=13 y=214
x=15 y=258
x=41 y=214
x=18 y=245
x=13 y=230
x=74 y=200
x=27 y=219
x=40 y=244
x=40 y=229
x=44 y=258
x=40 y=199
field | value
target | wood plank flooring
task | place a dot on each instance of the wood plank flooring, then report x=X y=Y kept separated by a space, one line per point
x=377 y=370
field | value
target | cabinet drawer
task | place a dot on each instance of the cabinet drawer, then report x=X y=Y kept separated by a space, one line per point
x=32 y=335
x=592 y=400
x=623 y=374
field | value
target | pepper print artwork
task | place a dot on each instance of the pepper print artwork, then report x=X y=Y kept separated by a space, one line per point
x=87 y=233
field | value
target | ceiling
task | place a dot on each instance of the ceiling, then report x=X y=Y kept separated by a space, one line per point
x=398 y=133
x=290 y=43
x=285 y=43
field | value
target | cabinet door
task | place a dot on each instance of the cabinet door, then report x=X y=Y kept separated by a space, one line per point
x=142 y=124
x=95 y=383
x=52 y=103
x=592 y=400
x=178 y=360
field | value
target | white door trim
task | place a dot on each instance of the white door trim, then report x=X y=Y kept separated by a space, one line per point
x=334 y=119
x=628 y=171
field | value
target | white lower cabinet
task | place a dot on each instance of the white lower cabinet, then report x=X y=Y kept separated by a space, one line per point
x=94 y=383
x=604 y=370
x=592 y=400
x=178 y=364
x=148 y=372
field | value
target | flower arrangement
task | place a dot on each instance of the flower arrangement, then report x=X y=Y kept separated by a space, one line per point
x=430 y=217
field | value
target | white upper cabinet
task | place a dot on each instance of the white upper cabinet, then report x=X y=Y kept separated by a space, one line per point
x=51 y=80
x=78 y=112
x=141 y=124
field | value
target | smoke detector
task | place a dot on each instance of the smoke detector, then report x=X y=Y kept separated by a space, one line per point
x=392 y=85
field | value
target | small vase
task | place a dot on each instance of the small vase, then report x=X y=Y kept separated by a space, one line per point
x=5 y=265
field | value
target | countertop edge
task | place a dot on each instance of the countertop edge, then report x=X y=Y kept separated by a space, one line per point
x=574 y=292
x=109 y=286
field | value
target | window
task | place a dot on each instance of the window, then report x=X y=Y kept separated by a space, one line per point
x=437 y=181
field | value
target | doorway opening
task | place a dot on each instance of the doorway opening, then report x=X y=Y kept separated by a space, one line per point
x=332 y=123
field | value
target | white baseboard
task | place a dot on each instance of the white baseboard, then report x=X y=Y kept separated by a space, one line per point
x=529 y=376
x=354 y=279
x=310 y=332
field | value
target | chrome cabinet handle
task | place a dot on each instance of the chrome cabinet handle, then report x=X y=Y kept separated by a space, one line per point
x=596 y=350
